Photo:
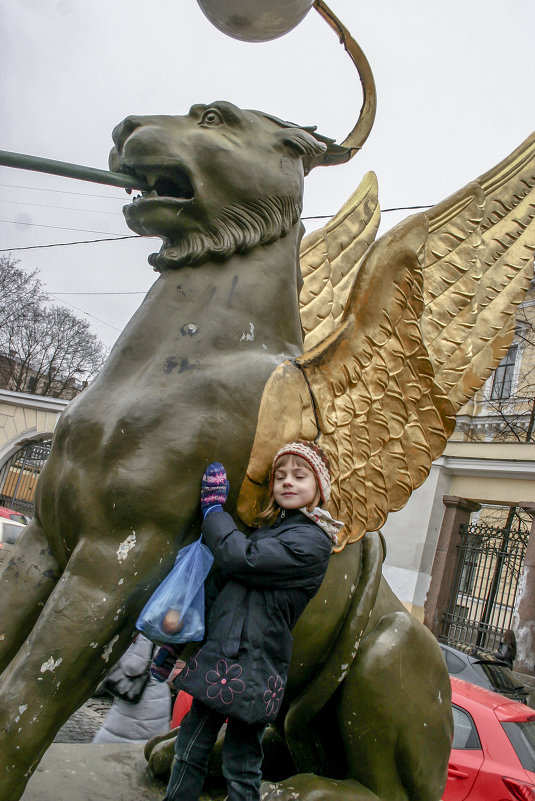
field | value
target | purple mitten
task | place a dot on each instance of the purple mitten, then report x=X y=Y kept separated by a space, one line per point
x=164 y=661
x=214 y=488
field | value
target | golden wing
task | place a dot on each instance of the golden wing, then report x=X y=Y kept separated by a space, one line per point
x=428 y=317
x=330 y=259
x=478 y=266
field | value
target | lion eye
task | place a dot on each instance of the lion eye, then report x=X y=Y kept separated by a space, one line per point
x=211 y=118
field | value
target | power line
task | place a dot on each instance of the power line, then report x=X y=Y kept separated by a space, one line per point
x=61 y=208
x=84 y=312
x=78 y=242
x=115 y=238
x=59 y=295
x=57 y=227
x=408 y=208
x=129 y=292
x=383 y=211
x=60 y=191
x=114 y=197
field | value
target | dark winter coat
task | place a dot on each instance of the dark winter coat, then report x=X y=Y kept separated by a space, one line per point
x=242 y=666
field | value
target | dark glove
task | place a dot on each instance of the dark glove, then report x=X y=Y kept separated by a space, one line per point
x=164 y=661
x=214 y=488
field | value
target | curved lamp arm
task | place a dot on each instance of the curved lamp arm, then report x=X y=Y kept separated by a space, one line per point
x=351 y=144
x=356 y=138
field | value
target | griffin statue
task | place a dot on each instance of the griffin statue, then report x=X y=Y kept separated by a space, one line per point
x=369 y=347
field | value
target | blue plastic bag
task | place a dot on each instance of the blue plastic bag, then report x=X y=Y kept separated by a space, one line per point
x=175 y=611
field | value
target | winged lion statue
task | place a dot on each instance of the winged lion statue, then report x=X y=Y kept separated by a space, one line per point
x=370 y=348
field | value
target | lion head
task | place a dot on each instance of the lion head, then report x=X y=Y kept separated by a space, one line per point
x=221 y=179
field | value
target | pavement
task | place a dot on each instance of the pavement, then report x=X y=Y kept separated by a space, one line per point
x=75 y=769
x=88 y=772
x=85 y=722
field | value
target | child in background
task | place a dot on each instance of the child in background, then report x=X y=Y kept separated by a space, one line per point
x=128 y=722
x=239 y=673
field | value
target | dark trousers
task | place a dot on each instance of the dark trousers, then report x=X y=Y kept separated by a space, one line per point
x=242 y=755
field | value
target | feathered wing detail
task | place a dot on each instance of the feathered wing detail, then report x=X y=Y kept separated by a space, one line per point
x=330 y=259
x=478 y=265
x=429 y=315
x=382 y=417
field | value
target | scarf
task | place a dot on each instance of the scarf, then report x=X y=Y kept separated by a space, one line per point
x=323 y=519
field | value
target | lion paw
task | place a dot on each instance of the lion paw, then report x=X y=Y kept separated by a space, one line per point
x=159 y=753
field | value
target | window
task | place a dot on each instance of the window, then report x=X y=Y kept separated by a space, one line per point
x=464 y=731
x=468 y=575
x=18 y=518
x=522 y=737
x=453 y=662
x=503 y=375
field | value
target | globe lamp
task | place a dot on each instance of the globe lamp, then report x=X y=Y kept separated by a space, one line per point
x=255 y=20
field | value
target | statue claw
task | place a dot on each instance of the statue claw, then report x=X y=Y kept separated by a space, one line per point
x=160 y=754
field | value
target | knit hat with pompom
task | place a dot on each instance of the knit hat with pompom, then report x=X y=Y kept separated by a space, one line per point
x=316 y=458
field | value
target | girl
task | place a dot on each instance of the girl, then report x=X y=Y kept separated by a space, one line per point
x=239 y=673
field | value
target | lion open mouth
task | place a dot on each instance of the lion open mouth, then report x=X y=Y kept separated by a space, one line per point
x=176 y=185
x=166 y=190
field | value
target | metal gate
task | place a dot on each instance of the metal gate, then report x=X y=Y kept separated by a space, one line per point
x=489 y=567
x=18 y=476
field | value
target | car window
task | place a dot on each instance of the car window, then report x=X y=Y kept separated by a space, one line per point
x=464 y=731
x=453 y=663
x=522 y=737
x=18 y=518
x=10 y=533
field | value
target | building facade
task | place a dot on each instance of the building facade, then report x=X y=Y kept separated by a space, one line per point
x=461 y=554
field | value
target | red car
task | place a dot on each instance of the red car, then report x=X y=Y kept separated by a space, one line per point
x=11 y=514
x=493 y=751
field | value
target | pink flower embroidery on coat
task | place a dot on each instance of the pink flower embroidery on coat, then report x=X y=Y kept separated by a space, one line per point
x=224 y=681
x=273 y=695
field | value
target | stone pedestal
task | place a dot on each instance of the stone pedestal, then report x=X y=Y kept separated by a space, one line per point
x=88 y=772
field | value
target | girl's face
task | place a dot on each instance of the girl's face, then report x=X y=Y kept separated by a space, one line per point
x=294 y=484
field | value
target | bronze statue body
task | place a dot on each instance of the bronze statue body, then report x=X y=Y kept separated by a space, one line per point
x=119 y=494
x=368 y=696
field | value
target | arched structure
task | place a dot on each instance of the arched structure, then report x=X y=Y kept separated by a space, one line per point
x=26 y=421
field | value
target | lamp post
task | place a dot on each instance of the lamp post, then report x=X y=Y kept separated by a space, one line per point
x=255 y=20
x=21 y=161
x=251 y=21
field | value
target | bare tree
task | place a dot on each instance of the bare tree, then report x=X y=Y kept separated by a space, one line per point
x=69 y=352
x=18 y=290
x=46 y=350
x=515 y=410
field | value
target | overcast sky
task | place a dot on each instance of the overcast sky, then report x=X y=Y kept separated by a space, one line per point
x=455 y=95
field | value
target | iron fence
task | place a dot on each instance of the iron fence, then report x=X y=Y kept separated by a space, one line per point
x=18 y=476
x=482 y=600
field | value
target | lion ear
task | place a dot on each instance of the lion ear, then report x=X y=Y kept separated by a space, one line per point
x=306 y=146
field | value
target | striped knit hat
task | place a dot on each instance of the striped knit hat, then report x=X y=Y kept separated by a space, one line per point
x=317 y=460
